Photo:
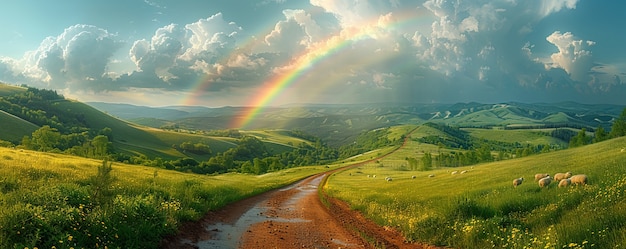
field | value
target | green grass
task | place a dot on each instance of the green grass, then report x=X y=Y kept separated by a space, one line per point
x=276 y=136
x=9 y=89
x=481 y=208
x=14 y=128
x=53 y=200
x=140 y=140
x=523 y=136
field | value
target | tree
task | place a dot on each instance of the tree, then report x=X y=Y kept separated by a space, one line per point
x=619 y=126
x=600 y=135
x=427 y=161
x=412 y=163
x=101 y=146
x=45 y=138
x=580 y=139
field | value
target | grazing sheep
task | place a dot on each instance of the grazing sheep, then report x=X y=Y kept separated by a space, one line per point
x=560 y=176
x=454 y=172
x=388 y=179
x=540 y=176
x=518 y=181
x=545 y=182
x=374 y=176
x=431 y=175
x=464 y=171
x=565 y=183
x=413 y=177
x=578 y=179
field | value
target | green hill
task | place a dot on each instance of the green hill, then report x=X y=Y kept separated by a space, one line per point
x=14 y=127
x=46 y=108
x=480 y=208
x=6 y=89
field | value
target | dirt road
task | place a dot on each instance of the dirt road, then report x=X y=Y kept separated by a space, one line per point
x=290 y=217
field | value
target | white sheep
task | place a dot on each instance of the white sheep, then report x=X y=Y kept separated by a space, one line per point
x=560 y=176
x=388 y=178
x=518 y=181
x=540 y=176
x=545 y=182
x=431 y=175
x=454 y=172
x=413 y=177
x=565 y=182
x=578 y=179
x=464 y=171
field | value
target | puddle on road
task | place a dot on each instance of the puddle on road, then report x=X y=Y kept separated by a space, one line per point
x=229 y=235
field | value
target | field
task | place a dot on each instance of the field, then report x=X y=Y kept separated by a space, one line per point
x=482 y=209
x=522 y=136
x=58 y=201
x=17 y=127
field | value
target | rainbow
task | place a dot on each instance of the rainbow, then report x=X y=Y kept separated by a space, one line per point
x=305 y=62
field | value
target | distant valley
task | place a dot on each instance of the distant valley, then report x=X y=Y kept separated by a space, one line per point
x=339 y=124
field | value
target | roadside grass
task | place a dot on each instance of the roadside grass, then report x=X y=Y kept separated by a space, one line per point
x=481 y=208
x=59 y=201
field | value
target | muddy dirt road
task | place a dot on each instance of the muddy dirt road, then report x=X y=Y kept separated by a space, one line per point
x=290 y=217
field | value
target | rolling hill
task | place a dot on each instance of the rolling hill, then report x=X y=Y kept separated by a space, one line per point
x=127 y=138
x=17 y=127
x=340 y=124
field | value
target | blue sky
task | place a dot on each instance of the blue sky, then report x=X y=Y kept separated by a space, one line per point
x=225 y=53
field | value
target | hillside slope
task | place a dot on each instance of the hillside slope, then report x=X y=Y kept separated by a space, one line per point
x=14 y=128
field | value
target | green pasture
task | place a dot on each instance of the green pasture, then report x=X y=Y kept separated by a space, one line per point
x=277 y=137
x=481 y=209
x=523 y=136
x=58 y=201
x=14 y=128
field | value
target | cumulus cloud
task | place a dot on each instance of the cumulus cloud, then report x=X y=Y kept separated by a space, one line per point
x=573 y=56
x=445 y=48
x=80 y=54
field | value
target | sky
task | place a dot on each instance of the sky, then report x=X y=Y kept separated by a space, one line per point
x=275 y=52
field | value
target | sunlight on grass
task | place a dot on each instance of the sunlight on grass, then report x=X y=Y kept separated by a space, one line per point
x=53 y=200
x=481 y=208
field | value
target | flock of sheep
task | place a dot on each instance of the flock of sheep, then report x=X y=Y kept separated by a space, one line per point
x=564 y=179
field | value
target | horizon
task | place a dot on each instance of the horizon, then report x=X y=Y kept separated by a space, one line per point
x=277 y=53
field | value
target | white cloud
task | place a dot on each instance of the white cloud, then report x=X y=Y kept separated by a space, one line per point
x=573 y=56
x=211 y=35
x=80 y=53
x=550 y=6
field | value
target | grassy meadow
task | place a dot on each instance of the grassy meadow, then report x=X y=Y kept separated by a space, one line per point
x=59 y=201
x=482 y=209
x=522 y=136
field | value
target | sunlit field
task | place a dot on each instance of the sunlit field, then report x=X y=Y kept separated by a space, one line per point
x=480 y=208
x=57 y=201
